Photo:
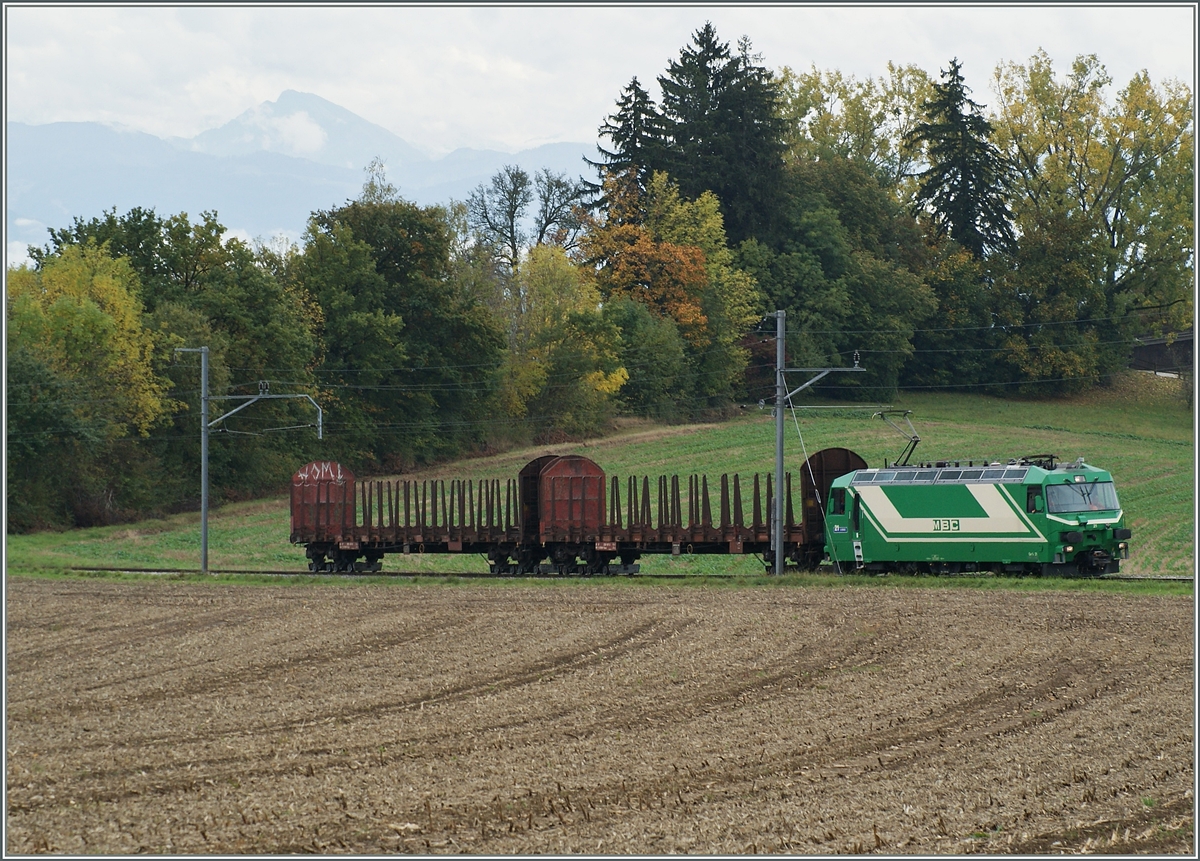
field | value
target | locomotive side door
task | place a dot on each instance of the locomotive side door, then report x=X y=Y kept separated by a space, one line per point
x=856 y=529
x=843 y=521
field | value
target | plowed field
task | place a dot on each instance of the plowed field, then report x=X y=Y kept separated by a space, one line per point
x=595 y=718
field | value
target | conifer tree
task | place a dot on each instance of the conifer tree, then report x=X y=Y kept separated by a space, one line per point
x=718 y=129
x=637 y=137
x=966 y=183
x=724 y=131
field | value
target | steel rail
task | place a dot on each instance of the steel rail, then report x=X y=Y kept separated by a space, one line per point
x=487 y=574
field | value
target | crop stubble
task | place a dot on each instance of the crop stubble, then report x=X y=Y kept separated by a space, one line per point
x=168 y=717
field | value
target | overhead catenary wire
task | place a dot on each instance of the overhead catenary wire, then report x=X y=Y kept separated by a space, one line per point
x=415 y=369
x=995 y=326
x=570 y=378
x=334 y=428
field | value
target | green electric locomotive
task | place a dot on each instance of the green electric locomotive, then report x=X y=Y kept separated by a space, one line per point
x=1030 y=516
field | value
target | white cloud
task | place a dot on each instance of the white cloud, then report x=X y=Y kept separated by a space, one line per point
x=297 y=134
x=278 y=238
x=453 y=76
x=16 y=254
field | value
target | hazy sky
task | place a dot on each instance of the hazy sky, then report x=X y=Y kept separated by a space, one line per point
x=514 y=76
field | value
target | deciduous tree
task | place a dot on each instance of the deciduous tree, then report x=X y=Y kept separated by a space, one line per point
x=628 y=261
x=563 y=368
x=671 y=255
x=499 y=212
x=1117 y=179
x=828 y=114
x=416 y=355
x=82 y=381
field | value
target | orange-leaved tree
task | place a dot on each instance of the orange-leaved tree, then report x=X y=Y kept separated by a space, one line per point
x=671 y=255
x=629 y=261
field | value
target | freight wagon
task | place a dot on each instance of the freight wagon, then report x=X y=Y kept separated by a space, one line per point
x=561 y=514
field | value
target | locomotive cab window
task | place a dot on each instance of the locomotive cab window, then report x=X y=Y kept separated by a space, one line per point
x=837 y=501
x=1033 y=500
x=1082 y=496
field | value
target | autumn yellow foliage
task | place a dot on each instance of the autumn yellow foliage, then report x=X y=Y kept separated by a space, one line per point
x=81 y=316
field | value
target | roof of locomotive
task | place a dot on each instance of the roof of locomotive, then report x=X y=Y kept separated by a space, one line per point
x=1015 y=472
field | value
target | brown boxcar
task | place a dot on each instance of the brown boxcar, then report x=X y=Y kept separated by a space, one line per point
x=570 y=499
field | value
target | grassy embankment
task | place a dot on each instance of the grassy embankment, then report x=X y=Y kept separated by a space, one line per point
x=1139 y=429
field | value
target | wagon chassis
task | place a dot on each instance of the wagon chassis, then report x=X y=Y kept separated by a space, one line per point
x=515 y=559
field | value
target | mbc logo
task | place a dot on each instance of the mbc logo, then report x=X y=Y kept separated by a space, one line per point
x=945 y=526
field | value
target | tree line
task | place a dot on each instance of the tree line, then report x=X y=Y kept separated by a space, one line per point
x=1017 y=249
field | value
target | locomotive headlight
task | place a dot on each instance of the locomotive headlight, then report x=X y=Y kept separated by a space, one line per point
x=1068 y=549
x=1121 y=545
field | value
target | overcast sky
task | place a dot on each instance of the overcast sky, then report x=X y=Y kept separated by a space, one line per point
x=514 y=77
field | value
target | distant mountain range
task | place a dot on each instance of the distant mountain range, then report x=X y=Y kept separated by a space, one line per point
x=263 y=172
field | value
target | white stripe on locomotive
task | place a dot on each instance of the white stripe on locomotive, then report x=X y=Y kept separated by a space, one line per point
x=1004 y=518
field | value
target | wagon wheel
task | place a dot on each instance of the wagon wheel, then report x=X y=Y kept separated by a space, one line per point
x=809 y=558
x=527 y=562
x=596 y=562
x=498 y=563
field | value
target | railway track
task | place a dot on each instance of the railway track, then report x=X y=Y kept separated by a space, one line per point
x=471 y=575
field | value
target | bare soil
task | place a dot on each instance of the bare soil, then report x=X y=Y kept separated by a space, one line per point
x=598 y=718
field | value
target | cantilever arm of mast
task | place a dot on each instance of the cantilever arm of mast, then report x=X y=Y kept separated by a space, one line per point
x=249 y=399
x=821 y=373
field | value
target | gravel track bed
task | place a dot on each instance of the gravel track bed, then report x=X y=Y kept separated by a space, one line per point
x=595 y=718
